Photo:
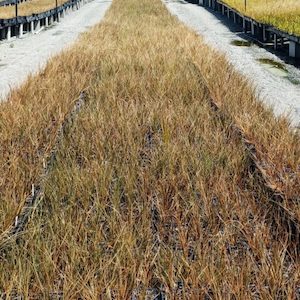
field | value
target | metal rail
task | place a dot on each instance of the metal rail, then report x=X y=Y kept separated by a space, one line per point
x=11 y=2
x=20 y=25
x=261 y=32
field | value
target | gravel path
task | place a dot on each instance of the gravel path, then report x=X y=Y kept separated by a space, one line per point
x=278 y=88
x=21 y=57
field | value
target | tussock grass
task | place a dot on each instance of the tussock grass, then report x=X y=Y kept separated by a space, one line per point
x=152 y=190
x=29 y=120
x=283 y=14
x=28 y=8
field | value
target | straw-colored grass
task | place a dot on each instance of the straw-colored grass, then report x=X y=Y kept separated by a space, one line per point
x=28 y=8
x=152 y=189
x=283 y=14
x=29 y=121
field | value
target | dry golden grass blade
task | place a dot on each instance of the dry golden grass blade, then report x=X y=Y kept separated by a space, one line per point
x=32 y=201
x=275 y=144
x=152 y=191
x=29 y=121
x=261 y=165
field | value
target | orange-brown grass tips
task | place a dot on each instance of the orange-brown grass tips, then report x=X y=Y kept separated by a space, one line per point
x=154 y=192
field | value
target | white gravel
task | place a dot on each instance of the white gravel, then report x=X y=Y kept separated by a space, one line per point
x=273 y=86
x=22 y=56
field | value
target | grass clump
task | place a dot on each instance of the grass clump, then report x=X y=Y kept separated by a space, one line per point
x=152 y=191
x=29 y=121
x=241 y=43
x=272 y=63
